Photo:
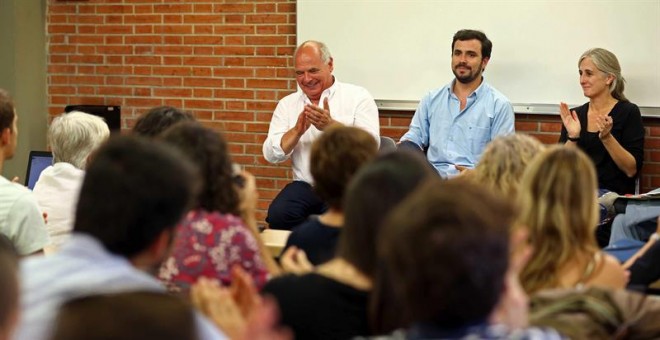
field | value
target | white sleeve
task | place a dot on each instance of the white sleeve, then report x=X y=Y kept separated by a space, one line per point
x=279 y=125
x=366 y=115
x=26 y=228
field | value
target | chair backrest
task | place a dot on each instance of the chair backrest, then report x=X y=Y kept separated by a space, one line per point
x=387 y=144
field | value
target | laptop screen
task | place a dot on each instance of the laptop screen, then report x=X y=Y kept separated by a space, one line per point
x=39 y=160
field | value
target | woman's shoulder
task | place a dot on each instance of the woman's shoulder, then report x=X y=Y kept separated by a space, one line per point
x=611 y=272
x=626 y=108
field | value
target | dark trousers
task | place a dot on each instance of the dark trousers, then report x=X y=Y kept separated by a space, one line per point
x=293 y=205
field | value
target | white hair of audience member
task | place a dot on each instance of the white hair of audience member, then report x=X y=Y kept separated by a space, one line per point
x=73 y=136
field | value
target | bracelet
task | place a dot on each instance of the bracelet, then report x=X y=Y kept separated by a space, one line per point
x=655 y=237
x=573 y=139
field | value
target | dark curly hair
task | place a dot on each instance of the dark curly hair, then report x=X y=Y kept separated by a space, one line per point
x=208 y=151
x=158 y=119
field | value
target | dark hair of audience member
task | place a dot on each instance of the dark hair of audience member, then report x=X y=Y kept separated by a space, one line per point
x=158 y=119
x=208 y=150
x=446 y=251
x=134 y=189
x=9 y=290
x=6 y=110
x=335 y=157
x=373 y=192
x=126 y=316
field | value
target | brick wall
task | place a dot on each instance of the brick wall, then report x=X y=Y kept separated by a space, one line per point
x=228 y=62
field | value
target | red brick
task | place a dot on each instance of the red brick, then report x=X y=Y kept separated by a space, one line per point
x=202 y=19
x=266 y=18
x=551 y=127
x=203 y=61
x=143 y=60
x=234 y=29
x=114 y=9
x=86 y=59
x=266 y=29
x=233 y=72
x=202 y=40
x=233 y=8
x=61 y=29
x=144 y=29
x=114 y=29
x=265 y=62
x=114 y=19
x=172 y=71
x=122 y=49
x=173 y=8
x=172 y=50
x=173 y=29
x=523 y=126
x=286 y=29
x=143 y=39
x=150 y=81
x=202 y=82
x=169 y=92
x=266 y=40
x=203 y=29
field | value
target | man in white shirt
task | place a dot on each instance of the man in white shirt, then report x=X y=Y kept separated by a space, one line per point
x=20 y=218
x=72 y=137
x=300 y=118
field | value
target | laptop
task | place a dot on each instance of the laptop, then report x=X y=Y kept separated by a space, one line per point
x=38 y=161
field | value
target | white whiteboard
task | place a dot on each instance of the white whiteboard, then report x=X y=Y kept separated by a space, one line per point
x=401 y=49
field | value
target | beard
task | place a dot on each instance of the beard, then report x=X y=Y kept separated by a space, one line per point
x=467 y=77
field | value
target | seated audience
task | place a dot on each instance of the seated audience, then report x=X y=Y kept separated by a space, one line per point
x=220 y=231
x=335 y=157
x=558 y=205
x=21 y=219
x=126 y=316
x=331 y=301
x=158 y=119
x=134 y=193
x=445 y=251
x=72 y=138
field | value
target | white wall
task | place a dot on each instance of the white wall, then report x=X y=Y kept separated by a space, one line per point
x=399 y=50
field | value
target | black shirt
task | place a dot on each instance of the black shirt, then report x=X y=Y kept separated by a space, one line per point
x=317 y=307
x=628 y=130
x=318 y=240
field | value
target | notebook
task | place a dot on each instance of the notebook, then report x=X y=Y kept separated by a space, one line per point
x=37 y=162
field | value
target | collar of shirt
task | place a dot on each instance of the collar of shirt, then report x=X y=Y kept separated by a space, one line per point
x=478 y=92
x=329 y=93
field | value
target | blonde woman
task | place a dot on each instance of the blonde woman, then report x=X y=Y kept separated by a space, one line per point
x=503 y=162
x=558 y=204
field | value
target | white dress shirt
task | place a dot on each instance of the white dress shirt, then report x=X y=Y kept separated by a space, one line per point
x=349 y=104
x=57 y=193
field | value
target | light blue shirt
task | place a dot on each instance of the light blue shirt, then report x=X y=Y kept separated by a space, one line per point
x=455 y=137
x=82 y=267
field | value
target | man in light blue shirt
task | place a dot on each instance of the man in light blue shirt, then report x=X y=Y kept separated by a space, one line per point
x=134 y=194
x=454 y=123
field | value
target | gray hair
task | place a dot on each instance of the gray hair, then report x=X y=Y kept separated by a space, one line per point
x=73 y=136
x=607 y=62
x=323 y=49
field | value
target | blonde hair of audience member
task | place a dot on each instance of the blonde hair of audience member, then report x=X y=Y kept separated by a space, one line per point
x=557 y=198
x=504 y=161
x=74 y=136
